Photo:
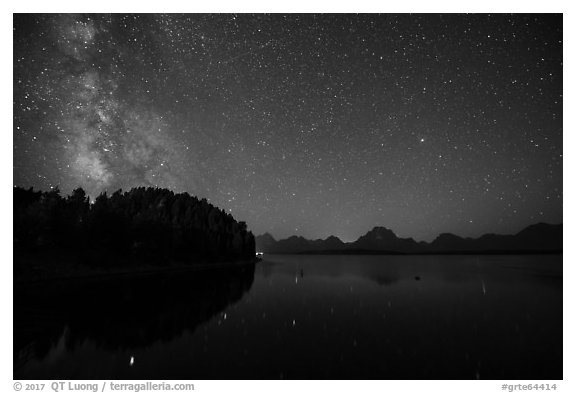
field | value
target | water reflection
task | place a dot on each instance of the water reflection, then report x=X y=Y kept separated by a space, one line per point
x=306 y=317
x=118 y=314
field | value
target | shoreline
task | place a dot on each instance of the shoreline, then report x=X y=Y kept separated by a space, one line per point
x=87 y=273
x=424 y=253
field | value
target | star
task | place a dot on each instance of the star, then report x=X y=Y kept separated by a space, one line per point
x=301 y=124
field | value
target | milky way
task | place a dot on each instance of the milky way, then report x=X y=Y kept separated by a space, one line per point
x=105 y=141
x=301 y=124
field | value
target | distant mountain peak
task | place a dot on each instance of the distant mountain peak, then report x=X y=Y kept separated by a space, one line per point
x=266 y=236
x=539 y=237
x=540 y=227
x=297 y=237
x=380 y=233
x=380 y=229
x=447 y=236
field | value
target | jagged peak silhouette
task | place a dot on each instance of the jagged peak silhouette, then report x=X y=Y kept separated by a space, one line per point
x=540 y=237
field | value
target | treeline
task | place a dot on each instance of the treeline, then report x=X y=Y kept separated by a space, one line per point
x=141 y=225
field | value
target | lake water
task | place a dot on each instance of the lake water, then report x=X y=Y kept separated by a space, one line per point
x=302 y=317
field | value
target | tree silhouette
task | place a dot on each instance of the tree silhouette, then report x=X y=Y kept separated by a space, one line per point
x=143 y=225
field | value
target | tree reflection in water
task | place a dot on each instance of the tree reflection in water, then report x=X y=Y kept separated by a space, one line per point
x=121 y=313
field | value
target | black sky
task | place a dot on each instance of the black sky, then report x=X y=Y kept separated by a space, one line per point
x=301 y=124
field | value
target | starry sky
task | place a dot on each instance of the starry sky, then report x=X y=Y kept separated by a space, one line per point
x=312 y=124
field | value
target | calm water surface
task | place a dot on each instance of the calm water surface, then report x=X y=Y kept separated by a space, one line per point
x=302 y=317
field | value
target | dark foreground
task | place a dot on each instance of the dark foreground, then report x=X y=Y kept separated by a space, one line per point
x=301 y=317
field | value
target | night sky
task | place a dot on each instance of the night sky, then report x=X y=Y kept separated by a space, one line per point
x=301 y=124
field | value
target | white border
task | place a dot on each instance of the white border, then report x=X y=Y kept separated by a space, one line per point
x=484 y=6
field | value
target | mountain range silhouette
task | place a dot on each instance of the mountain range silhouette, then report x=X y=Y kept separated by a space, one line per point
x=537 y=238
